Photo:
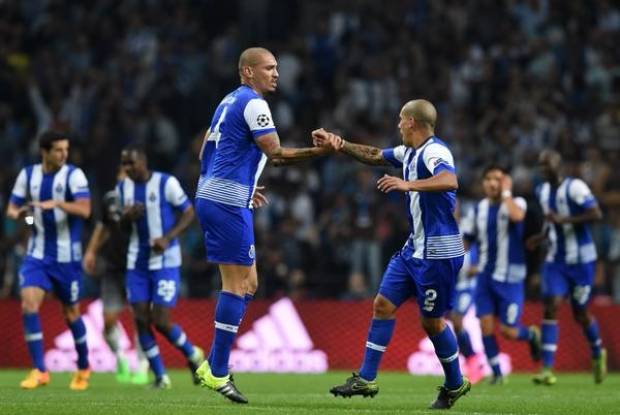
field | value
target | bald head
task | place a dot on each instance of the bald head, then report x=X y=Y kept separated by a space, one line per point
x=252 y=56
x=422 y=111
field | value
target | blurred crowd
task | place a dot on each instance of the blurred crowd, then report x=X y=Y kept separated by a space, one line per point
x=509 y=78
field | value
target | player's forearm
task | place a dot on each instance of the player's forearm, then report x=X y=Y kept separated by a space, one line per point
x=100 y=235
x=591 y=215
x=13 y=211
x=183 y=223
x=284 y=155
x=79 y=208
x=442 y=182
x=515 y=213
x=365 y=154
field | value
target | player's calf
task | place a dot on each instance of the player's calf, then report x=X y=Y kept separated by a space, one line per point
x=355 y=385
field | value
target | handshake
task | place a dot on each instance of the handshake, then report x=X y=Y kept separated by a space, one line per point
x=325 y=139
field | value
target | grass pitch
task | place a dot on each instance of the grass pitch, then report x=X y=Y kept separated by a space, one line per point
x=307 y=394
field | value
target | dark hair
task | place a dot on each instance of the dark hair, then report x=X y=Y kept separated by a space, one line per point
x=47 y=139
x=491 y=167
x=137 y=148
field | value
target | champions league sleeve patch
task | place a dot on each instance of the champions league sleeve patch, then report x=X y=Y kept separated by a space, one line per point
x=263 y=120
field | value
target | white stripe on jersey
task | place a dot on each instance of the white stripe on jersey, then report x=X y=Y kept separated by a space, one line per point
x=154 y=219
x=36 y=244
x=502 y=270
x=434 y=247
x=225 y=191
x=574 y=253
x=63 y=236
x=62 y=249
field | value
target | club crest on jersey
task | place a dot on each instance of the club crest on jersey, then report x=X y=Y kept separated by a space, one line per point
x=263 y=120
x=252 y=252
x=152 y=197
x=59 y=188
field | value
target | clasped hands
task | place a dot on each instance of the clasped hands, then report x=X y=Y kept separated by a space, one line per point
x=325 y=139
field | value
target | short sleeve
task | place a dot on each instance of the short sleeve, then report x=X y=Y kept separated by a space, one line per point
x=395 y=155
x=581 y=194
x=174 y=194
x=519 y=201
x=78 y=184
x=438 y=158
x=20 y=189
x=258 y=117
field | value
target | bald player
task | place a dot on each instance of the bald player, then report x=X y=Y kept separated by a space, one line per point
x=427 y=266
x=241 y=138
x=569 y=207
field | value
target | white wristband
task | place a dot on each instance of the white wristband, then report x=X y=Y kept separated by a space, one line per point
x=506 y=194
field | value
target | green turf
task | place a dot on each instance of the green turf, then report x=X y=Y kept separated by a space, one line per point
x=307 y=394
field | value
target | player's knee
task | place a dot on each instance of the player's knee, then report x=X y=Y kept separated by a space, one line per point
x=30 y=305
x=433 y=326
x=581 y=316
x=71 y=312
x=382 y=308
x=506 y=331
x=142 y=322
x=550 y=310
x=486 y=327
x=252 y=286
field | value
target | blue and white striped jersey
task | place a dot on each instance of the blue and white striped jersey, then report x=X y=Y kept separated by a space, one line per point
x=55 y=235
x=160 y=195
x=434 y=231
x=501 y=251
x=232 y=162
x=570 y=243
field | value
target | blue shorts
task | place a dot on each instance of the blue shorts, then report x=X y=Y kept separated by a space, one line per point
x=432 y=281
x=64 y=279
x=501 y=299
x=575 y=279
x=228 y=232
x=464 y=300
x=158 y=286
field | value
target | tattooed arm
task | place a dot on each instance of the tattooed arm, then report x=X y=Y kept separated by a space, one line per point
x=365 y=154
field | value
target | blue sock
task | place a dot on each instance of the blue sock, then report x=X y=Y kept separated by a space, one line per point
x=594 y=338
x=465 y=343
x=447 y=351
x=379 y=335
x=34 y=339
x=179 y=339
x=550 y=331
x=78 y=329
x=492 y=351
x=524 y=333
x=228 y=313
x=151 y=351
x=247 y=299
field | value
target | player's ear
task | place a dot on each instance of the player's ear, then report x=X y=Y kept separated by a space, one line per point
x=248 y=71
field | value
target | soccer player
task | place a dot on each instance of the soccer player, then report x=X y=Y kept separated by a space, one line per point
x=149 y=200
x=111 y=240
x=427 y=266
x=496 y=227
x=465 y=289
x=57 y=196
x=569 y=206
x=241 y=138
